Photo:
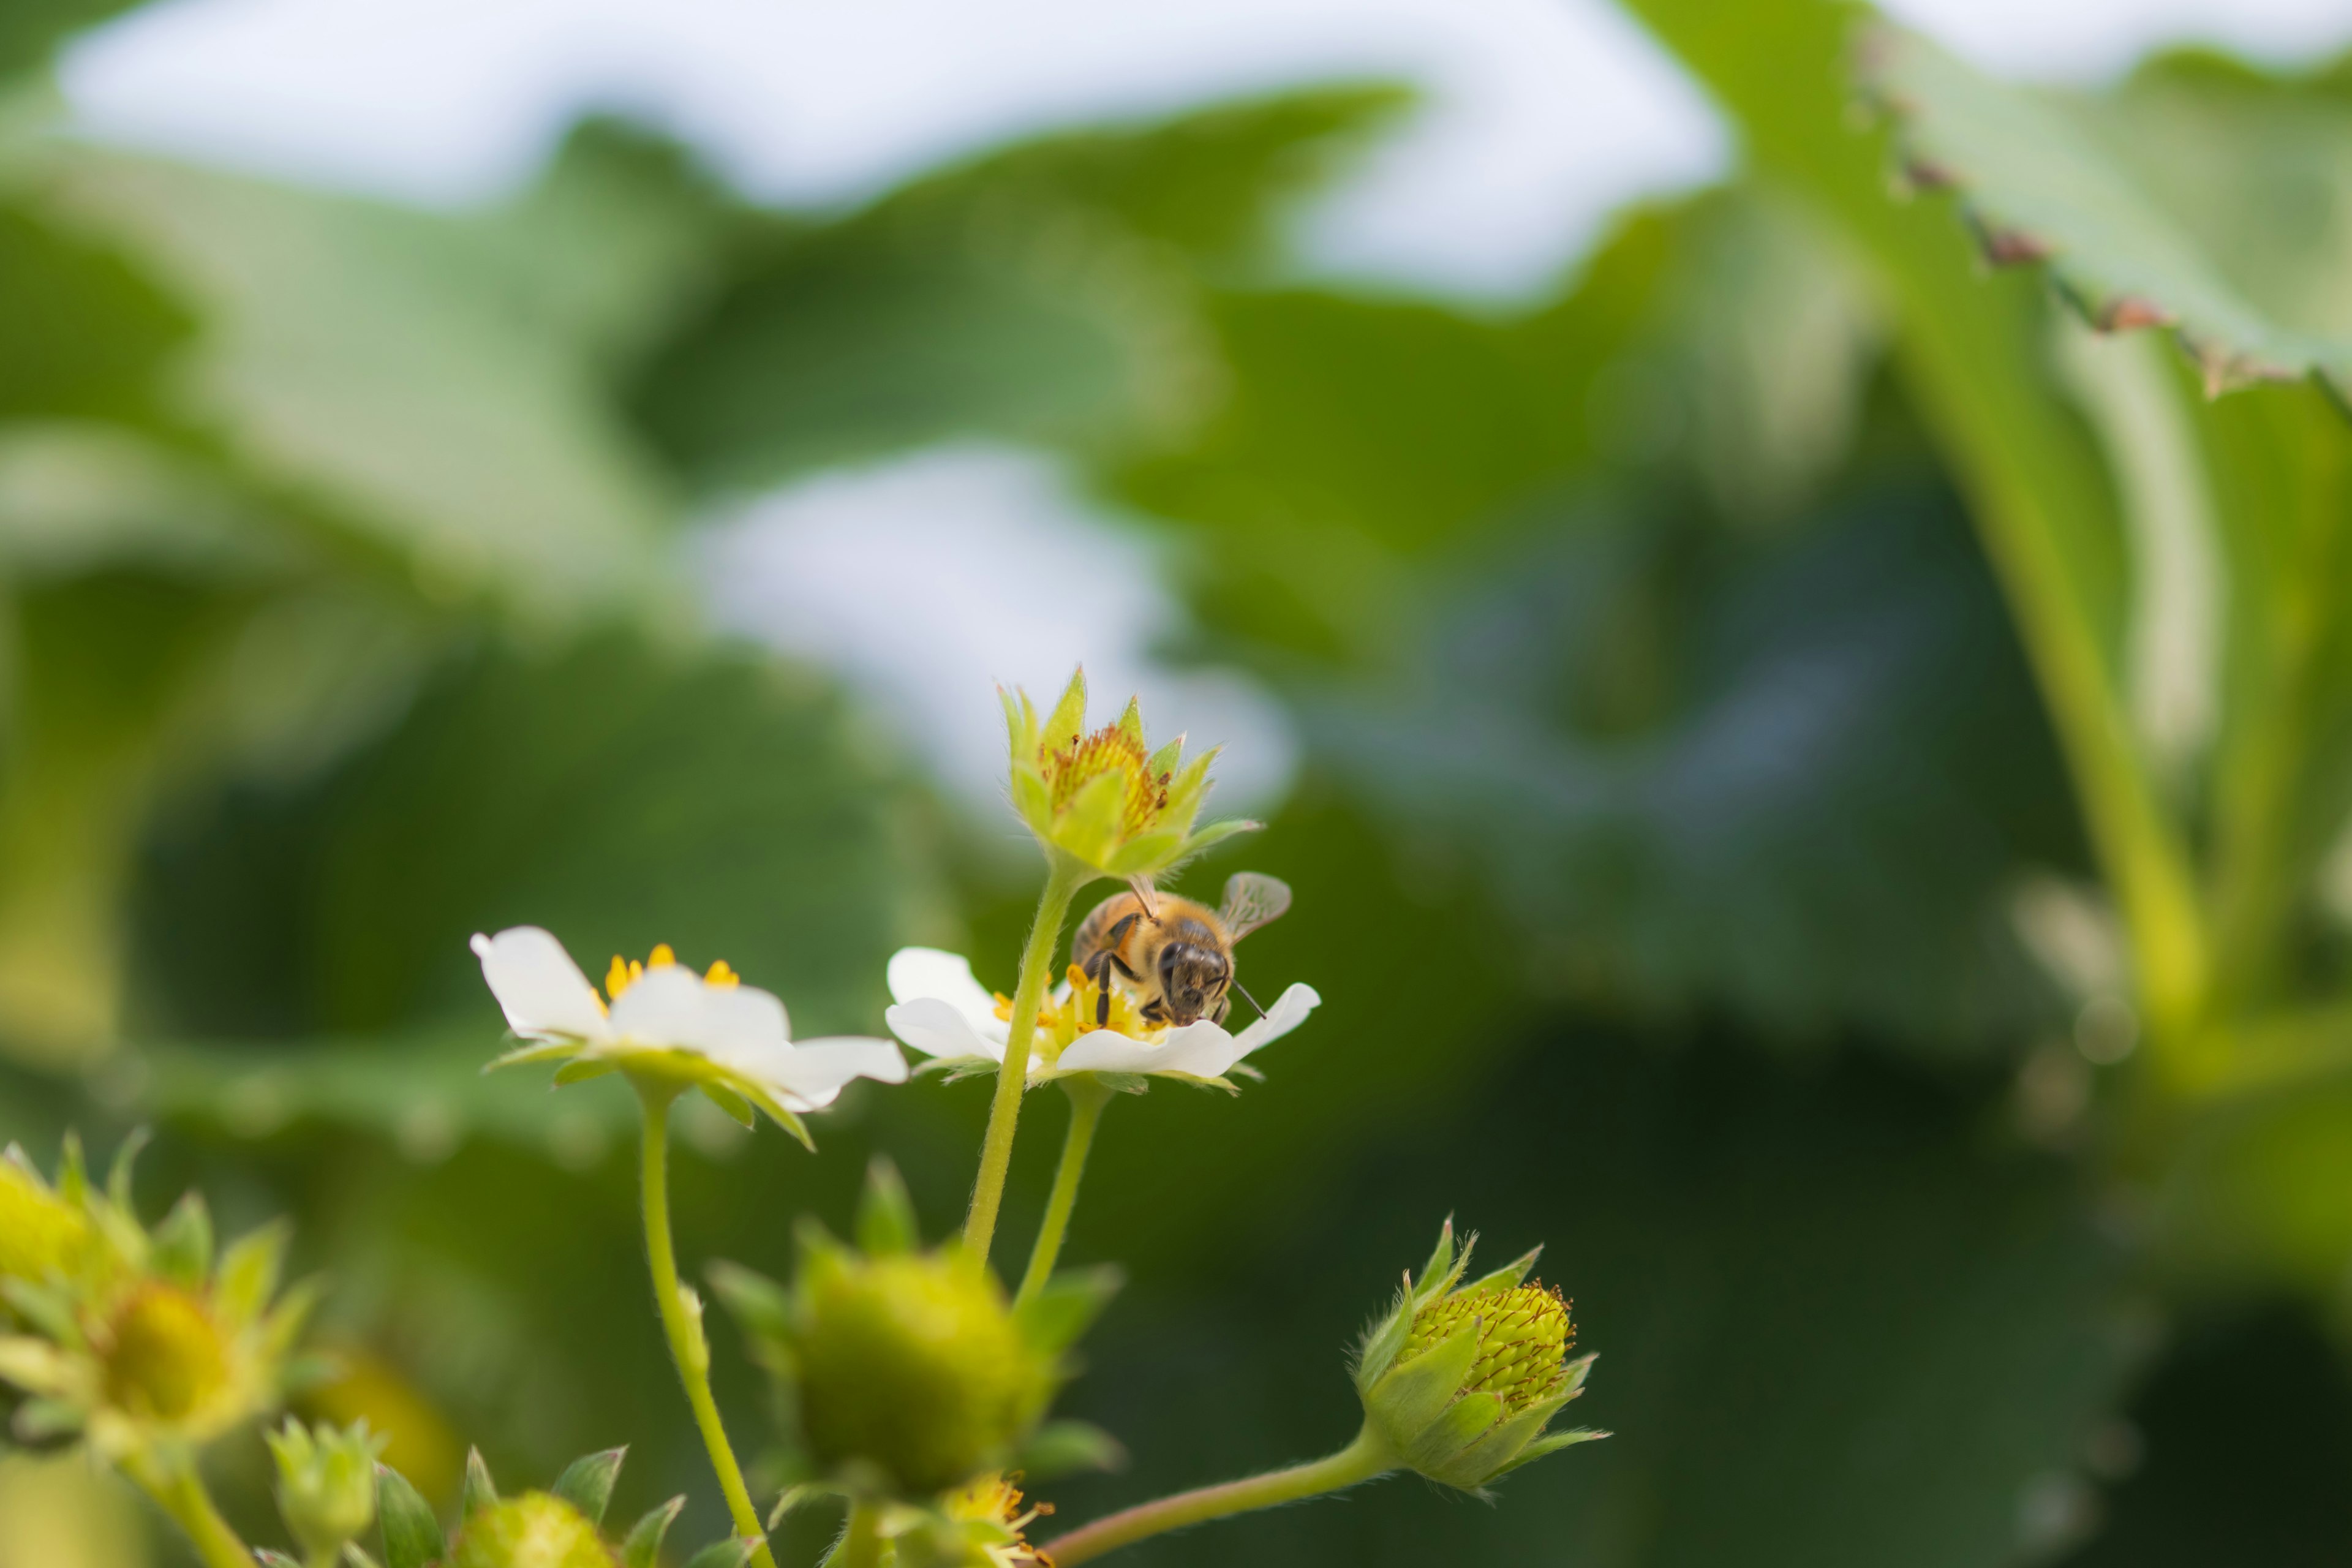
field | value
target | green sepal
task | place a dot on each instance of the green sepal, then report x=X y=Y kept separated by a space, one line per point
x=1069 y=716
x=118 y=1175
x=725 y=1553
x=412 y=1536
x=758 y=1303
x=586 y=1482
x=73 y=1175
x=355 y=1557
x=1432 y=1449
x=1088 y=828
x=1130 y=721
x=738 y=1109
x=579 y=1069
x=795 y=1496
x=1123 y=1083
x=1163 y=762
x=1485 y=1458
x=1146 y=854
x=183 y=1242
x=268 y=1559
x=38 y=1420
x=1416 y=1393
x=643 y=1548
x=249 y=1272
x=481 y=1492
x=886 y=1214
x=1550 y=1443
x=1384 y=1340
x=1068 y=1448
x=49 y=1310
x=1066 y=1306
x=776 y=1112
x=1506 y=1277
x=537 y=1051
x=1440 y=1259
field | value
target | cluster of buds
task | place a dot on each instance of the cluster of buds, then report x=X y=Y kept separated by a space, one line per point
x=1103 y=801
x=143 y=1345
x=902 y=1373
x=561 y=1527
x=1460 y=1380
x=326 y=1484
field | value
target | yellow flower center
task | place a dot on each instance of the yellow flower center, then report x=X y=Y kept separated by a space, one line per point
x=1059 y=1024
x=1114 y=749
x=1523 y=1332
x=994 y=1499
x=627 y=971
x=165 y=1357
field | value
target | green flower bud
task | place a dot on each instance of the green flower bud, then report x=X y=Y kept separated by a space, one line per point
x=1103 y=799
x=41 y=1233
x=536 y=1530
x=912 y=1364
x=903 y=1373
x=1459 y=1380
x=326 y=1483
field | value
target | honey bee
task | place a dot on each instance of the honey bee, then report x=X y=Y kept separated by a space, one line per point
x=1177 y=954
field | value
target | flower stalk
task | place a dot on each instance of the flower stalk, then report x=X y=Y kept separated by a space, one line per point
x=861 y=1543
x=1366 y=1458
x=180 y=1493
x=1088 y=1099
x=1063 y=879
x=682 y=1321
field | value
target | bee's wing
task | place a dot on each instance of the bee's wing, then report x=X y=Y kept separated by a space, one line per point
x=1147 y=895
x=1251 y=900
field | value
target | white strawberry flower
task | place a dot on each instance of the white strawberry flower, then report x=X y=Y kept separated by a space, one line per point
x=709 y=1031
x=947 y=1014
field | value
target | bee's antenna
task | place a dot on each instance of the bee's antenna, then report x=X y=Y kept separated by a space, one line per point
x=1248 y=998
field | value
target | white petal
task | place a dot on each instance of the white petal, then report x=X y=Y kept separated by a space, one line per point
x=917 y=973
x=672 y=1007
x=1289 y=1011
x=539 y=988
x=939 y=1028
x=810 y=1075
x=1199 y=1050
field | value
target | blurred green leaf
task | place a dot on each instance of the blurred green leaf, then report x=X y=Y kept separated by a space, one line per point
x=29 y=29
x=1041 y=294
x=2038 y=184
x=1835 y=1327
x=84 y=331
x=382 y=373
x=1798 y=778
x=618 y=795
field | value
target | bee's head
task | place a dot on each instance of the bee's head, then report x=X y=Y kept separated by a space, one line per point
x=1192 y=981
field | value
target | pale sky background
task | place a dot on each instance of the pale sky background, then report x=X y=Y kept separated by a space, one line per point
x=1543 y=117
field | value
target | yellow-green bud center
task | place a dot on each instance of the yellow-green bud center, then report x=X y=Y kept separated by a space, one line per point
x=911 y=1363
x=1070 y=763
x=534 y=1531
x=164 y=1356
x=1523 y=1338
x=41 y=1233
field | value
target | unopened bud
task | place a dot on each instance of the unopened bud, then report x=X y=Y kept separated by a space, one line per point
x=326 y=1483
x=536 y=1530
x=1460 y=1380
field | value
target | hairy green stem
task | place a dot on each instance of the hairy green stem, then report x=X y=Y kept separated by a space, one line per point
x=180 y=1493
x=1013 y=1076
x=861 y=1544
x=684 y=1323
x=1367 y=1458
x=1087 y=1098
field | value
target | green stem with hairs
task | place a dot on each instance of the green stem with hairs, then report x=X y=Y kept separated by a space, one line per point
x=180 y=1493
x=683 y=1324
x=861 y=1544
x=1062 y=882
x=1087 y=1098
x=1364 y=1459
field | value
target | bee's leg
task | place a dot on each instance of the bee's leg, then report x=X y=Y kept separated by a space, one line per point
x=1097 y=970
x=1151 y=1012
x=1119 y=929
x=1123 y=969
x=1224 y=1005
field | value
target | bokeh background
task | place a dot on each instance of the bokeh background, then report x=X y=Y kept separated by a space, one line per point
x=585 y=462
